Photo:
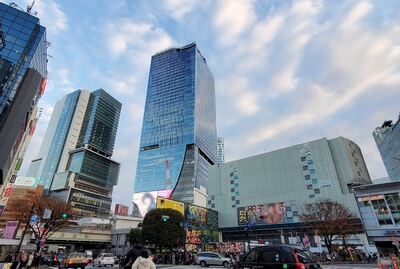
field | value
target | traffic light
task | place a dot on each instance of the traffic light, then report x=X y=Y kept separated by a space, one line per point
x=64 y=215
x=165 y=218
x=177 y=241
x=260 y=241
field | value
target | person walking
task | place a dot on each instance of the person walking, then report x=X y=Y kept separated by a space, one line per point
x=131 y=256
x=144 y=261
x=30 y=260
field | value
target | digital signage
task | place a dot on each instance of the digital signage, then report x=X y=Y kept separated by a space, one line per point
x=196 y=213
x=167 y=203
x=146 y=201
x=262 y=214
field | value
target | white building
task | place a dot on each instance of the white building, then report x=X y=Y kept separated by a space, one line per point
x=275 y=185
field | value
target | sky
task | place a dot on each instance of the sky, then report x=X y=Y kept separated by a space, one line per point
x=286 y=72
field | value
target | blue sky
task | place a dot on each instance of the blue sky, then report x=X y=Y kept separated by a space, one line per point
x=286 y=72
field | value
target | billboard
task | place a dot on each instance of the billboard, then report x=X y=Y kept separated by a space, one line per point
x=11 y=229
x=146 y=201
x=26 y=181
x=121 y=210
x=262 y=214
x=196 y=213
x=167 y=203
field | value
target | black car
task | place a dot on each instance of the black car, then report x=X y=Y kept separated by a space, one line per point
x=279 y=256
x=49 y=259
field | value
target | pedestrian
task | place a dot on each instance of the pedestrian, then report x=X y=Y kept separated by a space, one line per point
x=30 y=260
x=131 y=255
x=144 y=261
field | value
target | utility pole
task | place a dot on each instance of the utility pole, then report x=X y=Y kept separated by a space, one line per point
x=26 y=227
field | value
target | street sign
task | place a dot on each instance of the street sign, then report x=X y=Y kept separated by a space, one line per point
x=34 y=218
x=47 y=214
x=394 y=239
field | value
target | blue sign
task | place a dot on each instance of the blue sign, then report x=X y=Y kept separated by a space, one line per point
x=186 y=224
x=34 y=218
x=249 y=224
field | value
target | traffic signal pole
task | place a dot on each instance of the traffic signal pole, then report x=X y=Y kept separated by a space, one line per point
x=26 y=227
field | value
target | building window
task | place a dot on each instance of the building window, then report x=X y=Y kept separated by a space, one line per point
x=213 y=197
x=232 y=181
x=209 y=202
x=307 y=177
x=233 y=190
x=317 y=191
x=303 y=159
x=310 y=162
x=309 y=187
x=314 y=181
x=312 y=171
x=233 y=198
x=231 y=174
x=233 y=206
x=305 y=167
x=236 y=177
x=237 y=185
x=237 y=193
x=295 y=213
x=311 y=196
x=213 y=206
x=237 y=202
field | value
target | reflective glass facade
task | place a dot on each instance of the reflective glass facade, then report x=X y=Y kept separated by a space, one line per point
x=25 y=47
x=387 y=139
x=100 y=125
x=23 y=71
x=57 y=144
x=179 y=124
x=94 y=169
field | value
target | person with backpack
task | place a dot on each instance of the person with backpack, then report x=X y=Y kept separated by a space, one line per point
x=131 y=256
x=144 y=261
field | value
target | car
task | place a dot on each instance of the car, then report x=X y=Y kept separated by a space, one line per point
x=49 y=259
x=104 y=259
x=212 y=258
x=278 y=256
x=74 y=260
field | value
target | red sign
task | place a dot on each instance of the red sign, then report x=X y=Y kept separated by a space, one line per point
x=394 y=239
x=7 y=192
x=122 y=210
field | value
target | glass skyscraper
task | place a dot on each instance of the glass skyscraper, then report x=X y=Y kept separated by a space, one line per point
x=178 y=140
x=387 y=139
x=74 y=160
x=23 y=74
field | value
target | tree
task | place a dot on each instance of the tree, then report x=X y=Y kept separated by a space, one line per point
x=135 y=236
x=61 y=213
x=331 y=219
x=163 y=227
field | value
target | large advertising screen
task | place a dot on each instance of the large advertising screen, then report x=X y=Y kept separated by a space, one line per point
x=146 y=201
x=196 y=213
x=167 y=203
x=262 y=214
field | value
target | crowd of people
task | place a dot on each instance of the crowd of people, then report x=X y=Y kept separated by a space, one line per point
x=21 y=260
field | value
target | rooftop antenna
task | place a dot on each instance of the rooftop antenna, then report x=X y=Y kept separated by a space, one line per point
x=28 y=8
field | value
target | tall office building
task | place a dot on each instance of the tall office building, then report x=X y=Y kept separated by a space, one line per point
x=220 y=150
x=23 y=75
x=274 y=186
x=387 y=139
x=178 y=141
x=74 y=161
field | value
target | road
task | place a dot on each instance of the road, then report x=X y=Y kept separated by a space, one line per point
x=170 y=266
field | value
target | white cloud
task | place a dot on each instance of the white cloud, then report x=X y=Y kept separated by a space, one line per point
x=179 y=8
x=124 y=35
x=232 y=18
x=51 y=16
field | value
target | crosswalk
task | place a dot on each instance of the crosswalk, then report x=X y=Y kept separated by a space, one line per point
x=345 y=267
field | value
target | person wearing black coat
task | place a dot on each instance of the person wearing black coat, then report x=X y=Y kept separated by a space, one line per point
x=131 y=256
